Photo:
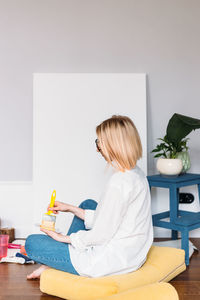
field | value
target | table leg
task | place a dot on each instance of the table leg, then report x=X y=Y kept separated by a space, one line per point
x=174 y=234
x=174 y=203
x=199 y=190
x=185 y=244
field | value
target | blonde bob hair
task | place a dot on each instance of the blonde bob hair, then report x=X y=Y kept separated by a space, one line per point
x=119 y=142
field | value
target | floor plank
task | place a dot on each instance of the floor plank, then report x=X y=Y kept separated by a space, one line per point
x=15 y=286
x=187 y=283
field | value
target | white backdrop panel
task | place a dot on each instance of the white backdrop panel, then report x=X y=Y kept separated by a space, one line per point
x=67 y=109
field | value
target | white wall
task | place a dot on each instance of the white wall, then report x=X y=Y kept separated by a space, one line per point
x=65 y=118
x=157 y=37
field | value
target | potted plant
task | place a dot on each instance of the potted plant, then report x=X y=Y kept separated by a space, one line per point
x=173 y=150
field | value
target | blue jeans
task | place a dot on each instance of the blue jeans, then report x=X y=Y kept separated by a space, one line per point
x=45 y=250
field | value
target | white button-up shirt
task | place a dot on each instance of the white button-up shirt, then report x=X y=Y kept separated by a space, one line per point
x=121 y=231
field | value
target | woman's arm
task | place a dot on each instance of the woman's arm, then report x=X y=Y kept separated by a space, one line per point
x=65 y=207
x=77 y=211
x=57 y=236
x=84 y=214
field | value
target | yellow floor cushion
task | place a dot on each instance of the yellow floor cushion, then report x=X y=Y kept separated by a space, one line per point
x=154 y=291
x=162 y=264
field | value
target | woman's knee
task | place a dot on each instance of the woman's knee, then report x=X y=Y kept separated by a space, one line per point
x=33 y=242
x=88 y=204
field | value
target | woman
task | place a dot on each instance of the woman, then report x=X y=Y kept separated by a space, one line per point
x=115 y=237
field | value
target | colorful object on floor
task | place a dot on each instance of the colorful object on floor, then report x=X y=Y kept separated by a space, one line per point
x=13 y=259
x=27 y=260
x=23 y=251
x=14 y=255
x=14 y=246
x=162 y=264
x=49 y=219
x=18 y=259
x=4 y=238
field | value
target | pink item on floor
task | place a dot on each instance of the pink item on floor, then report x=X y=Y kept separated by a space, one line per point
x=3 y=245
x=14 y=246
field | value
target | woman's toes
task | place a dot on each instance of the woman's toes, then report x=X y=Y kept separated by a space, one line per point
x=33 y=276
x=36 y=274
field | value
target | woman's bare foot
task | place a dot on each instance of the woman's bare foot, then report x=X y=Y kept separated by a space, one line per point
x=36 y=274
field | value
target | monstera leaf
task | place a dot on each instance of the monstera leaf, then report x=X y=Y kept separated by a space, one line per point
x=180 y=126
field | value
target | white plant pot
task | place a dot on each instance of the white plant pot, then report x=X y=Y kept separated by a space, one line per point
x=169 y=166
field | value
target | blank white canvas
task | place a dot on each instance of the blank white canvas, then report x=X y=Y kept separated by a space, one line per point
x=67 y=109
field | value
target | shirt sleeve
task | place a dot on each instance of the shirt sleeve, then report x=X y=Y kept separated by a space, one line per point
x=109 y=214
x=89 y=218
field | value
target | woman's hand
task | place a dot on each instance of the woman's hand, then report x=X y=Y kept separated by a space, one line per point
x=57 y=236
x=60 y=206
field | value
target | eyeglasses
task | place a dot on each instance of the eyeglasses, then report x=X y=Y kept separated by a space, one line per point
x=96 y=142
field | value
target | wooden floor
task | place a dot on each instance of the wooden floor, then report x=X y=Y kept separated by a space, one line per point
x=13 y=283
x=187 y=283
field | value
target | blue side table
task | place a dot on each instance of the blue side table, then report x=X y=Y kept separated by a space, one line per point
x=179 y=220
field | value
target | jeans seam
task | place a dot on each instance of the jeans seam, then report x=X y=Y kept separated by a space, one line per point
x=47 y=259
